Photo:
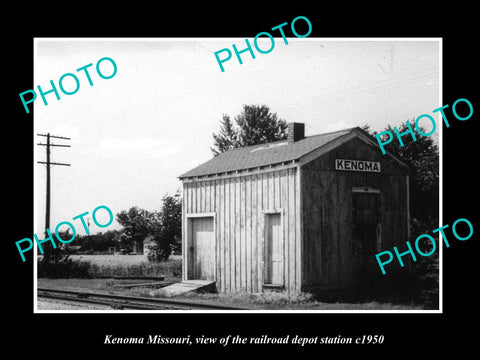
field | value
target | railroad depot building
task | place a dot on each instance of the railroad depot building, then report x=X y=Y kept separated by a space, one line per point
x=302 y=214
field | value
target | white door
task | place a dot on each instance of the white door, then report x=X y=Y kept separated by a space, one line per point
x=274 y=256
x=202 y=249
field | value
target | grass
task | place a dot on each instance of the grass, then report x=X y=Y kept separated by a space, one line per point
x=138 y=265
x=113 y=260
x=171 y=270
x=101 y=266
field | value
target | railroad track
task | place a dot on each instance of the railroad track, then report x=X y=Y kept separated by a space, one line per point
x=121 y=302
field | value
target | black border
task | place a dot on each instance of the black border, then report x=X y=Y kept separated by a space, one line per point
x=83 y=334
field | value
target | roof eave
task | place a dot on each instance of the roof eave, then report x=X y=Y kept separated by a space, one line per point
x=354 y=132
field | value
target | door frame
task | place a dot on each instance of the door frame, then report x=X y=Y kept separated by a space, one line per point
x=374 y=191
x=188 y=251
x=266 y=213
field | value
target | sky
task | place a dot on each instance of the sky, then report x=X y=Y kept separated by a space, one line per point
x=132 y=135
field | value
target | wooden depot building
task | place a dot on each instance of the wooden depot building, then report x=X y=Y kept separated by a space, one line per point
x=302 y=214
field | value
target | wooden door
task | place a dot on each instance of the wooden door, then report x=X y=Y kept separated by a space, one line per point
x=202 y=249
x=274 y=255
x=366 y=222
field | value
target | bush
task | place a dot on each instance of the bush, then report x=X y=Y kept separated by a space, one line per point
x=157 y=253
x=67 y=268
x=56 y=264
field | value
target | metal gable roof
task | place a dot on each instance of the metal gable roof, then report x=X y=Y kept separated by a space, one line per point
x=263 y=154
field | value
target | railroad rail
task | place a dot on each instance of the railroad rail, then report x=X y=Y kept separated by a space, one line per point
x=121 y=302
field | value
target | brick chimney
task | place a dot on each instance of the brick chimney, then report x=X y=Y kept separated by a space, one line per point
x=296 y=131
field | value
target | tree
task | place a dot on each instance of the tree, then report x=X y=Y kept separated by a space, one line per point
x=99 y=241
x=255 y=125
x=167 y=235
x=423 y=157
x=58 y=254
x=227 y=137
x=107 y=240
x=137 y=223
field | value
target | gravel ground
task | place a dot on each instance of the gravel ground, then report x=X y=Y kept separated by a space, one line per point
x=266 y=301
x=48 y=304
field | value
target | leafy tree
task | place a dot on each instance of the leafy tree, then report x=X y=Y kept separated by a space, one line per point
x=108 y=239
x=137 y=223
x=423 y=157
x=254 y=125
x=167 y=235
x=124 y=242
x=99 y=241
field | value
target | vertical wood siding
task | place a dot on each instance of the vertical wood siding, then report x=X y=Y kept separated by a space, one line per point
x=328 y=258
x=239 y=204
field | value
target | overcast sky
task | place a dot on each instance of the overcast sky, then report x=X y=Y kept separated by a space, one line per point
x=134 y=134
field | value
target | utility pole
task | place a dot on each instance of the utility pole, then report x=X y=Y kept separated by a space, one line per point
x=48 y=163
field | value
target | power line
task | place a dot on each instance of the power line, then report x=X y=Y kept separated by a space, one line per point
x=372 y=87
x=54 y=145
x=52 y=163
x=376 y=88
x=54 y=136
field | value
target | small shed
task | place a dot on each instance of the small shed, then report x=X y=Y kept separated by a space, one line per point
x=148 y=242
x=302 y=214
